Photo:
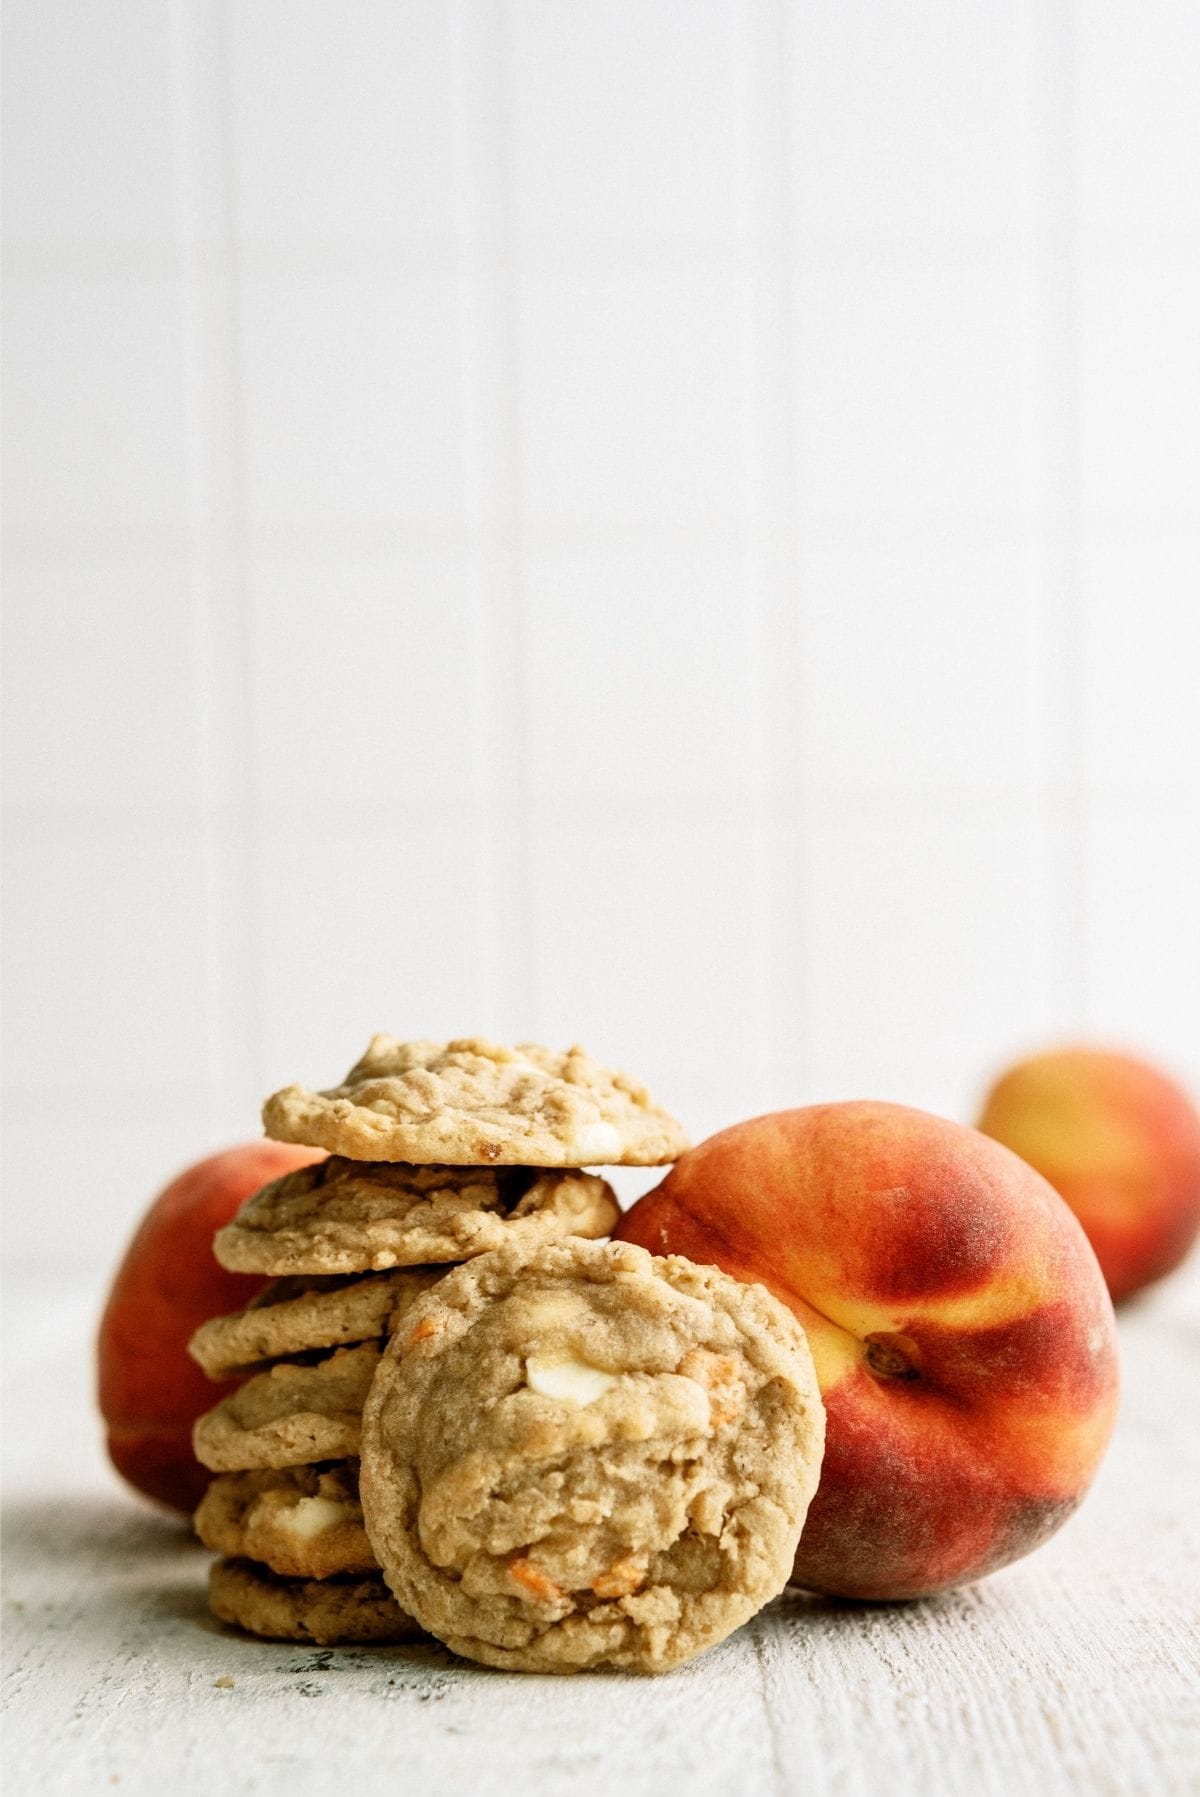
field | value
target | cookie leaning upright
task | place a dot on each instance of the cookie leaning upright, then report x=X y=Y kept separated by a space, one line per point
x=442 y=1153
x=590 y=1457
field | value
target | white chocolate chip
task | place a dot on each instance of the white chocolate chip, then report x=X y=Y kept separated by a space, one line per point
x=549 y=1311
x=311 y=1516
x=597 y=1144
x=562 y=1376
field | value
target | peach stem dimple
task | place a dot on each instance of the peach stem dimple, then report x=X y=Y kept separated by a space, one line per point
x=893 y=1356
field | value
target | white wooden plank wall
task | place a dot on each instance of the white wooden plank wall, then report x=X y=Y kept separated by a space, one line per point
x=671 y=524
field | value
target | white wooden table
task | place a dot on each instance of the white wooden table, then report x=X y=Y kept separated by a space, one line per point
x=1077 y=1671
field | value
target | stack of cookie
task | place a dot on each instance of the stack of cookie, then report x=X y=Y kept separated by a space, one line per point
x=438 y=1153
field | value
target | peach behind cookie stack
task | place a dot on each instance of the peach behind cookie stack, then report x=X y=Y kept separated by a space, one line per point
x=438 y=1153
x=1120 y=1142
x=167 y=1283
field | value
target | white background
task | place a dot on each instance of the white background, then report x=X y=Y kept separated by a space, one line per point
x=671 y=524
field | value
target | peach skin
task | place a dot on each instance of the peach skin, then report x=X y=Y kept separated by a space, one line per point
x=151 y=1390
x=1120 y=1142
x=962 y=1334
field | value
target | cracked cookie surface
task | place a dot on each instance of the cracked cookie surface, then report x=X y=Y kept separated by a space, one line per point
x=475 y=1103
x=301 y=1522
x=290 y=1415
x=346 y=1216
x=296 y=1315
x=590 y=1457
x=327 y=1612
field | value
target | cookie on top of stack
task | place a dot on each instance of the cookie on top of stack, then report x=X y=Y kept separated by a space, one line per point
x=438 y=1153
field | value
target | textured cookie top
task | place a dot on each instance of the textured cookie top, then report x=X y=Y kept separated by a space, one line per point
x=474 y=1103
x=290 y=1415
x=590 y=1457
x=303 y=1522
x=344 y=1216
x=294 y=1316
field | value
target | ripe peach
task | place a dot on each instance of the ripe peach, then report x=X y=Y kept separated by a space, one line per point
x=1120 y=1142
x=963 y=1338
x=150 y=1389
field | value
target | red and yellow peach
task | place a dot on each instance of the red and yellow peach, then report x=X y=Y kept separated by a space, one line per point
x=1120 y=1142
x=962 y=1334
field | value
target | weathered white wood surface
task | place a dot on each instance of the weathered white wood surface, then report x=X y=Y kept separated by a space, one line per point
x=1078 y=1671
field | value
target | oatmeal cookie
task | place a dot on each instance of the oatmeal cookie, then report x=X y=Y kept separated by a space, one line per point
x=290 y=1415
x=294 y=1316
x=303 y=1522
x=590 y=1457
x=344 y=1216
x=327 y=1612
x=474 y=1103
